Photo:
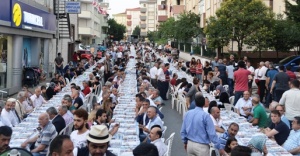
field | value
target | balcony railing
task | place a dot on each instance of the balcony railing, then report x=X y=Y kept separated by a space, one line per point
x=143 y=18
x=143 y=26
x=85 y=14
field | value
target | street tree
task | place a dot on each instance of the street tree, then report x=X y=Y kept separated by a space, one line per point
x=116 y=31
x=167 y=29
x=292 y=10
x=136 y=31
x=245 y=19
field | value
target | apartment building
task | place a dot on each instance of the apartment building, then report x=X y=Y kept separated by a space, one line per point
x=92 y=25
x=120 y=18
x=133 y=19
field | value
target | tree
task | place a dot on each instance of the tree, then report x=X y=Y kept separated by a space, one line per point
x=292 y=11
x=187 y=26
x=115 y=30
x=136 y=31
x=245 y=19
x=167 y=29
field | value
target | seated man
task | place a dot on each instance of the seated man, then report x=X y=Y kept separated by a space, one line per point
x=155 y=137
x=5 y=136
x=259 y=114
x=156 y=98
x=101 y=119
x=215 y=117
x=278 y=129
x=142 y=117
x=292 y=144
x=42 y=141
x=280 y=108
x=231 y=132
x=243 y=105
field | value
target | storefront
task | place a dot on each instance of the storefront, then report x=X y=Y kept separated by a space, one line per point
x=25 y=41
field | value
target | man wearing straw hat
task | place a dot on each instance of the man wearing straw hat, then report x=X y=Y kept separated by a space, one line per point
x=97 y=142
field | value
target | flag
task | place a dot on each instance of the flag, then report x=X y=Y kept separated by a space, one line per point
x=94 y=3
x=100 y=10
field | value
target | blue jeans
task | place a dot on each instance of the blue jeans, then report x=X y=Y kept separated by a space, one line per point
x=60 y=70
x=230 y=84
x=199 y=76
x=237 y=96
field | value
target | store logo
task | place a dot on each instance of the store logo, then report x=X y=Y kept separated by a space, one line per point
x=17 y=14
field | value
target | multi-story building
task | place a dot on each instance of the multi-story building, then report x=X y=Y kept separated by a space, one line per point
x=92 y=24
x=133 y=19
x=121 y=18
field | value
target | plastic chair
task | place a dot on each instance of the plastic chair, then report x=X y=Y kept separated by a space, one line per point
x=212 y=149
x=169 y=143
x=67 y=81
x=228 y=106
x=231 y=100
x=164 y=131
x=160 y=109
x=226 y=87
x=67 y=130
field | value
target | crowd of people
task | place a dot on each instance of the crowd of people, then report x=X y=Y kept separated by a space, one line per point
x=202 y=124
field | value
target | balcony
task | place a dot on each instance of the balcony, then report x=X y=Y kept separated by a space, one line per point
x=128 y=16
x=177 y=9
x=143 y=10
x=85 y=15
x=143 y=26
x=162 y=7
x=129 y=23
x=85 y=31
x=143 y=34
x=143 y=18
x=162 y=18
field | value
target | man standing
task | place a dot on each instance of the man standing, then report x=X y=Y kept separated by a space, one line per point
x=97 y=142
x=7 y=116
x=262 y=80
x=280 y=84
x=107 y=67
x=290 y=99
x=197 y=142
x=161 y=78
x=46 y=135
x=61 y=145
x=36 y=98
x=57 y=120
x=59 y=64
x=155 y=137
x=153 y=75
x=241 y=81
x=229 y=71
x=222 y=70
x=214 y=63
x=270 y=77
x=5 y=136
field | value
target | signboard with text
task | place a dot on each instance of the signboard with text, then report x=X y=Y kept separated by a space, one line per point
x=28 y=17
x=72 y=7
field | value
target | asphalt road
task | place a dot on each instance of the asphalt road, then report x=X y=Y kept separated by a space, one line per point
x=173 y=121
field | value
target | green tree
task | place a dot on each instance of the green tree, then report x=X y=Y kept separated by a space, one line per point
x=187 y=26
x=136 y=31
x=245 y=19
x=115 y=30
x=167 y=29
x=292 y=11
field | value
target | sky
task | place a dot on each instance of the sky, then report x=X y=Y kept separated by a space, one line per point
x=119 y=6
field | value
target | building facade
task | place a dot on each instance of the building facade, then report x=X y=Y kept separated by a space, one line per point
x=133 y=19
x=26 y=32
x=92 y=24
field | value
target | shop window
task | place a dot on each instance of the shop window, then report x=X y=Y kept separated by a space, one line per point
x=3 y=60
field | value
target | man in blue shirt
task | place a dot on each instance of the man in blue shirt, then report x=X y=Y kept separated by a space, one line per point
x=198 y=130
x=231 y=132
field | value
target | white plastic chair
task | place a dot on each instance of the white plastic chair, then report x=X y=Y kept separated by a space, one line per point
x=231 y=100
x=67 y=81
x=169 y=143
x=226 y=87
x=173 y=97
x=211 y=149
x=164 y=131
x=160 y=109
x=228 y=106
x=67 y=130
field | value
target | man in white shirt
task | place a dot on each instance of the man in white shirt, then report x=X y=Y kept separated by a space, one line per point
x=215 y=117
x=262 y=80
x=36 y=98
x=78 y=137
x=290 y=99
x=244 y=105
x=7 y=116
x=153 y=75
x=155 y=137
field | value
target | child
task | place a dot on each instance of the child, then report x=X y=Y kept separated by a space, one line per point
x=230 y=144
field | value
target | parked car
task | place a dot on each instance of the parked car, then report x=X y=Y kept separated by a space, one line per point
x=293 y=61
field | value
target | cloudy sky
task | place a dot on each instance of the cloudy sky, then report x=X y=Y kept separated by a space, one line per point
x=118 y=6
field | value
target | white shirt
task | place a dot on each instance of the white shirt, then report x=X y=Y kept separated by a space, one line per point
x=1 y=123
x=119 y=55
x=291 y=100
x=37 y=101
x=262 y=73
x=242 y=103
x=8 y=118
x=161 y=146
x=216 y=122
x=251 y=69
x=153 y=72
x=156 y=121
x=79 y=140
x=27 y=106
x=161 y=75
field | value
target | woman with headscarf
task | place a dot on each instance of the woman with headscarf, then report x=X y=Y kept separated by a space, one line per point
x=258 y=145
x=222 y=94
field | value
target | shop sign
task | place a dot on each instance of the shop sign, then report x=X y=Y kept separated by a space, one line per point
x=28 y=17
x=5 y=11
x=72 y=7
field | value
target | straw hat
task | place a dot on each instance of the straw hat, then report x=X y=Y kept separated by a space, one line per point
x=99 y=134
